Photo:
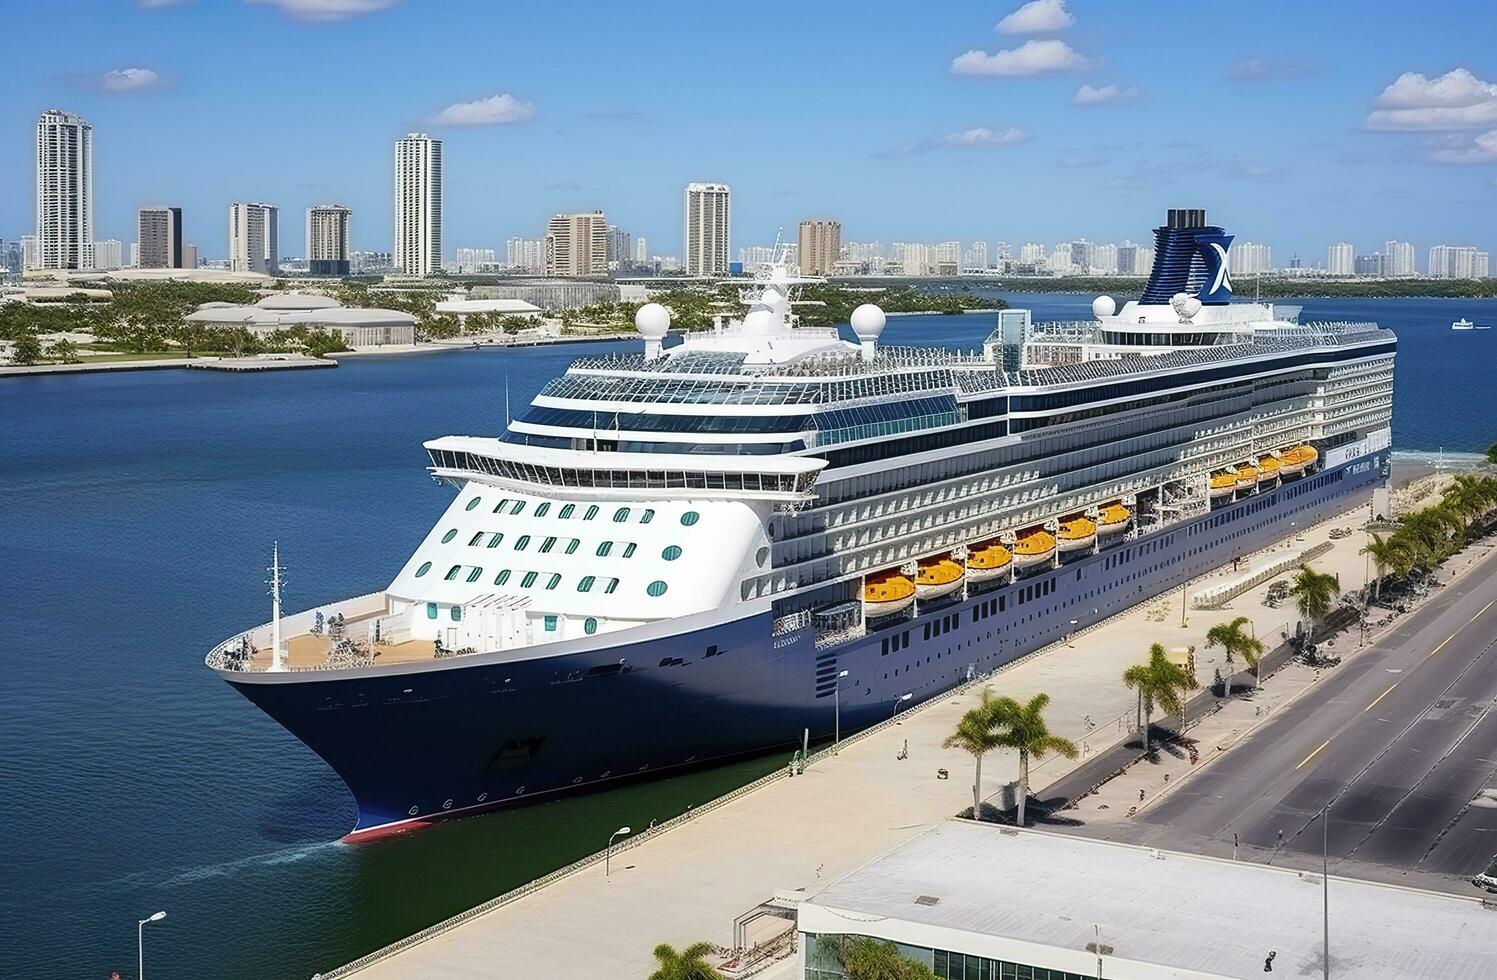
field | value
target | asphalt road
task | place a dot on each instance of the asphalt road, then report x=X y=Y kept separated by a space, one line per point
x=1400 y=741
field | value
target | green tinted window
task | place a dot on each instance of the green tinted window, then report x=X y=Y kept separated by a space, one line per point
x=586 y=583
x=449 y=535
x=690 y=517
x=452 y=572
x=473 y=503
x=590 y=626
x=671 y=553
x=529 y=579
x=425 y=567
x=656 y=588
x=566 y=511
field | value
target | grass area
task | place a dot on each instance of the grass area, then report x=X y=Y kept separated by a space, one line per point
x=160 y=355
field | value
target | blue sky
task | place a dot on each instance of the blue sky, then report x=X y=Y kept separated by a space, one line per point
x=907 y=121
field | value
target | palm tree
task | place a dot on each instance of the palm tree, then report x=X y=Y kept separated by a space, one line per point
x=1314 y=593
x=974 y=734
x=689 y=964
x=1160 y=683
x=1233 y=640
x=1022 y=727
x=1384 y=553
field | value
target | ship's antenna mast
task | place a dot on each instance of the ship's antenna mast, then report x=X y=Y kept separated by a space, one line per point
x=506 y=390
x=276 y=582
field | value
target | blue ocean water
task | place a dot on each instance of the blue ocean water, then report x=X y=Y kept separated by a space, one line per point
x=136 y=515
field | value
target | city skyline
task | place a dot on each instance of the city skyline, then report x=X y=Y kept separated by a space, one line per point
x=1024 y=136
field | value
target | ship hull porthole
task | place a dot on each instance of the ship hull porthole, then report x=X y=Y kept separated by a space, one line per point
x=447 y=805
x=413 y=811
x=482 y=797
x=577 y=780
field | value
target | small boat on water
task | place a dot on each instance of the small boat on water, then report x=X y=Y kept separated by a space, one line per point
x=1035 y=546
x=938 y=576
x=1463 y=324
x=1113 y=520
x=987 y=561
x=887 y=592
x=1077 y=533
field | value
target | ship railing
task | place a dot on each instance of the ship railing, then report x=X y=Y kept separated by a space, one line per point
x=790 y=622
x=831 y=638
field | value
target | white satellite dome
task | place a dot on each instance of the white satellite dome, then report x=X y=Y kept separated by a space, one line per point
x=1104 y=306
x=868 y=322
x=653 y=321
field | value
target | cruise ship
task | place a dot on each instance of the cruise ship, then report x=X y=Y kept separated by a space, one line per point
x=715 y=548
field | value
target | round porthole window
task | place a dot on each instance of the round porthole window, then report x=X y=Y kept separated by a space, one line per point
x=590 y=626
x=425 y=567
x=690 y=517
x=671 y=553
x=473 y=503
x=761 y=556
x=656 y=588
x=449 y=535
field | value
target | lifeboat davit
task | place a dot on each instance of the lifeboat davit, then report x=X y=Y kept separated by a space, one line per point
x=988 y=561
x=1247 y=477
x=1113 y=519
x=1294 y=461
x=938 y=576
x=1035 y=546
x=1223 y=485
x=1268 y=469
x=887 y=593
x=1077 y=533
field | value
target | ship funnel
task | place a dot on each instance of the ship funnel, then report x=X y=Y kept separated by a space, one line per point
x=653 y=322
x=867 y=323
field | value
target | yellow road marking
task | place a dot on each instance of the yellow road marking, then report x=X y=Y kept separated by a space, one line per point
x=1442 y=645
x=1313 y=754
x=1379 y=698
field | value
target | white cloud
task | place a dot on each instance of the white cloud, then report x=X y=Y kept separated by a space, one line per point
x=983 y=136
x=1102 y=95
x=323 y=11
x=129 y=80
x=1260 y=70
x=1029 y=58
x=1037 y=17
x=1480 y=149
x=1454 y=100
x=496 y=110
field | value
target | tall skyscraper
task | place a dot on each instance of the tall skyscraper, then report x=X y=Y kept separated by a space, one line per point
x=31 y=252
x=327 y=239
x=418 y=204
x=254 y=237
x=64 y=191
x=159 y=236
x=526 y=254
x=641 y=249
x=1341 y=259
x=189 y=256
x=108 y=254
x=1033 y=253
x=819 y=245
x=577 y=244
x=948 y=257
x=1400 y=260
x=976 y=257
x=707 y=227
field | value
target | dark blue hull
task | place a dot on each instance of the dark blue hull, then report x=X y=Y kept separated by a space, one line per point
x=414 y=746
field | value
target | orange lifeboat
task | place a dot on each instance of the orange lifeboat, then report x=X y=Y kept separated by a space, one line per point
x=1036 y=546
x=1223 y=485
x=886 y=593
x=1113 y=519
x=938 y=576
x=1247 y=477
x=1077 y=533
x=1268 y=469
x=1293 y=462
x=988 y=561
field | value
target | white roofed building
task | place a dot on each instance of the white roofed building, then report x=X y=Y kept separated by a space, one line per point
x=284 y=311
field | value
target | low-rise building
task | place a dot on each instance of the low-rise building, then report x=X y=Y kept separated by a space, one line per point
x=284 y=311
x=986 y=901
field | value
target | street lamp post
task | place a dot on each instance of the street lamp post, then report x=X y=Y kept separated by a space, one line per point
x=1325 y=890
x=837 y=713
x=140 y=942
x=608 y=852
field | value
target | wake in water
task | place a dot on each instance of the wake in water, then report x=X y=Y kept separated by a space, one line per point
x=226 y=869
x=1450 y=460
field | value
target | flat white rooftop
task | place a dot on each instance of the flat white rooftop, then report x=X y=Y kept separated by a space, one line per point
x=1045 y=896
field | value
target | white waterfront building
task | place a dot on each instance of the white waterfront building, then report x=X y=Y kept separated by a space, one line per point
x=707 y=228
x=64 y=191
x=1457 y=262
x=108 y=254
x=418 y=204
x=1251 y=258
x=1400 y=258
